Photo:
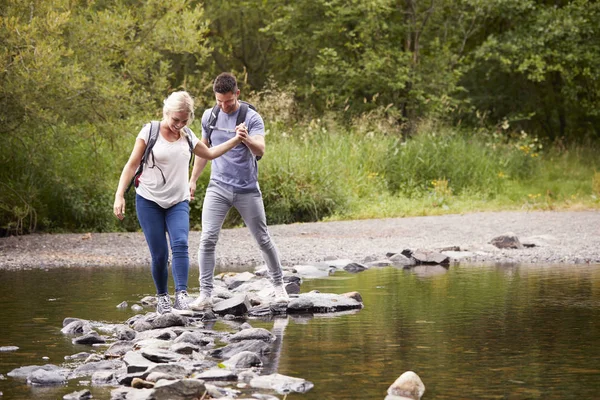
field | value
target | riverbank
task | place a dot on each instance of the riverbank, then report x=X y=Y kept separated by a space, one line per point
x=569 y=237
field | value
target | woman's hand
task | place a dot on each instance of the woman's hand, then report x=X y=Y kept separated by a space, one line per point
x=192 y=188
x=241 y=132
x=119 y=207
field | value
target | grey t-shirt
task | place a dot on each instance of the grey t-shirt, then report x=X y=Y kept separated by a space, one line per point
x=237 y=168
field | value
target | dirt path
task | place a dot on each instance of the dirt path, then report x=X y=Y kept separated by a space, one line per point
x=561 y=237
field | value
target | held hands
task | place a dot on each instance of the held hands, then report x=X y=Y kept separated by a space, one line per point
x=119 y=207
x=241 y=132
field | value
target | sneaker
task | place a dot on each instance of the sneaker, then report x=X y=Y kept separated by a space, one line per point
x=281 y=295
x=182 y=300
x=163 y=303
x=203 y=301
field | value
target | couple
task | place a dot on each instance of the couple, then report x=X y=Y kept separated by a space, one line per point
x=163 y=192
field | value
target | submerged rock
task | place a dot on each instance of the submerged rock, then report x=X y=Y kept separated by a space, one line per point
x=282 y=384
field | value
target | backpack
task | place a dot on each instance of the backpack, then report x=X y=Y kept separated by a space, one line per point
x=240 y=118
x=152 y=138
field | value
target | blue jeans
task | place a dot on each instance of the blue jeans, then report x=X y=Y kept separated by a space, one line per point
x=217 y=203
x=156 y=222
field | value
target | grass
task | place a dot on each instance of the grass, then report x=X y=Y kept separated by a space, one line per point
x=349 y=174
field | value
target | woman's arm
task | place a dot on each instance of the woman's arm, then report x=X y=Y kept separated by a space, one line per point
x=126 y=175
x=210 y=153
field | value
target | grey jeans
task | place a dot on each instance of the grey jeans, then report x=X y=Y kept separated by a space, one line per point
x=217 y=203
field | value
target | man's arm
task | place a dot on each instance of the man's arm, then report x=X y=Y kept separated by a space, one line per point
x=199 y=164
x=255 y=143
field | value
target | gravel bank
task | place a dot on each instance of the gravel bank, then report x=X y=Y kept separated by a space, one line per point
x=561 y=238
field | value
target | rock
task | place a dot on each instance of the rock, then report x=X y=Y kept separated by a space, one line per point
x=322 y=303
x=245 y=359
x=162 y=334
x=122 y=305
x=141 y=325
x=89 y=338
x=507 y=241
x=125 y=333
x=253 y=334
x=192 y=337
x=379 y=263
x=236 y=280
x=399 y=259
x=118 y=349
x=292 y=288
x=100 y=378
x=255 y=346
x=355 y=267
x=129 y=393
x=148 y=301
x=76 y=327
x=90 y=368
x=184 y=348
x=168 y=320
x=354 y=295
x=137 y=308
x=24 y=372
x=126 y=379
x=78 y=356
x=427 y=256
x=407 y=386
x=5 y=349
x=46 y=378
x=282 y=384
x=216 y=374
x=171 y=370
x=313 y=271
x=136 y=362
x=81 y=395
x=139 y=383
x=237 y=305
x=160 y=356
x=217 y=392
x=182 y=389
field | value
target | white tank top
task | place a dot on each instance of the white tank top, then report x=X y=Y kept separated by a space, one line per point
x=172 y=158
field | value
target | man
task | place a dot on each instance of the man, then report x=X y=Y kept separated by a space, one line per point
x=233 y=183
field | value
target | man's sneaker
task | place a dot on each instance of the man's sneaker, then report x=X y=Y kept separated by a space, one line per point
x=163 y=303
x=182 y=300
x=281 y=295
x=203 y=302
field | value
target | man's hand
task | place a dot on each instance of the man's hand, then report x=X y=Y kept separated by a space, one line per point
x=242 y=132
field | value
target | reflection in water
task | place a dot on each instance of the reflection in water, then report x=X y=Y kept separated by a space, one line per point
x=505 y=331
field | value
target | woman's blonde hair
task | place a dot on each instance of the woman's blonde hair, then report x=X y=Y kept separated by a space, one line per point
x=179 y=102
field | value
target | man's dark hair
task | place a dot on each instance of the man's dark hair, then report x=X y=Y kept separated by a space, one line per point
x=225 y=83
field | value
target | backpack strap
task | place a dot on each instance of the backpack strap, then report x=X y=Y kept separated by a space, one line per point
x=244 y=106
x=152 y=137
x=188 y=136
x=212 y=121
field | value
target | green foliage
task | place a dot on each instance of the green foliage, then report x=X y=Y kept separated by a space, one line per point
x=538 y=67
x=347 y=90
x=73 y=77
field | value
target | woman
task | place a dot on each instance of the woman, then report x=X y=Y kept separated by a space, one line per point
x=162 y=193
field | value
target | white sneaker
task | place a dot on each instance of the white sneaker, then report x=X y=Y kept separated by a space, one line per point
x=281 y=295
x=203 y=302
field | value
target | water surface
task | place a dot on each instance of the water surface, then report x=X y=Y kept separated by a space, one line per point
x=470 y=332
